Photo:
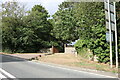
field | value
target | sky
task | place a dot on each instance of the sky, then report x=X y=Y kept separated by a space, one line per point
x=50 y=5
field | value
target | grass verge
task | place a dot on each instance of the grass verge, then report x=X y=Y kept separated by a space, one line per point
x=73 y=61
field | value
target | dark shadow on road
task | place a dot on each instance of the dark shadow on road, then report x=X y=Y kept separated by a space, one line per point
x=9 y=58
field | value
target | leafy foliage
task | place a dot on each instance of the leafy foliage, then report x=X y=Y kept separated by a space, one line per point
x=37 y=29
x=25 y=32
x=118 y=26
x=91 y=28
x=11 y=23
x=64 y=26
x=31 y=31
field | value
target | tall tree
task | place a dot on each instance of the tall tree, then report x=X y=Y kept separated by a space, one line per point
x=37 y=29
x=12 y=13
x=64 y=27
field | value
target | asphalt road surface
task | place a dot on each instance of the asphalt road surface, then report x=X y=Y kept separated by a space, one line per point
x=14 y=67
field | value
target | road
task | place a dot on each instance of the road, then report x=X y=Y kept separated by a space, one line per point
x=20 y=68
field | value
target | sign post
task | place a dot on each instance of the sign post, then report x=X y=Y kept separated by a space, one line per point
x=111 y=26
x=110 y=32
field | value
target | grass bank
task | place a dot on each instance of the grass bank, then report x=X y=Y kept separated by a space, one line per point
x=73 y=61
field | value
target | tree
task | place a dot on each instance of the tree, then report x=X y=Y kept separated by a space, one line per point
x=91 y=28
x=25 y=32
x=37 y=29
x=12 y=14
x=118 y=26
x=64 y=27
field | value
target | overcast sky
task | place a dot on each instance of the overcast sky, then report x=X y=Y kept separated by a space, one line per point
x=50 y=5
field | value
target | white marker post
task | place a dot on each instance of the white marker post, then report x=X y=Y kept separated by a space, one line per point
x=116 y=45
x=109 y=19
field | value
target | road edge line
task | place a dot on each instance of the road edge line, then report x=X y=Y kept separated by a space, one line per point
x=50 y=65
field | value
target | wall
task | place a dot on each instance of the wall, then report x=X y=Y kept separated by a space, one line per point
x=70 y=50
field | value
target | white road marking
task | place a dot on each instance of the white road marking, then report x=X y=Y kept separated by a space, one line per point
x=6 y=73
x=2 y=76
x=72 y=69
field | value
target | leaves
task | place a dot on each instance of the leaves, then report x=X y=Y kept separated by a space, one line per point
x=25 y=32
x=91 y=28
x=64 y=26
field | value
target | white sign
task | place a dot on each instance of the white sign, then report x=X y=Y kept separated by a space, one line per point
x=108 y=37
x=111 y=16
x=111 y=7
x=112 y=26
x=112 y=19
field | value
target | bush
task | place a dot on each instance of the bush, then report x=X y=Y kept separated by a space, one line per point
x=82 y=50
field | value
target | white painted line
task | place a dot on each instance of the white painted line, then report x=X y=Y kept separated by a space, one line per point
x=6 y=73
x=72 y=69
x=2 y=76
x=80 y=71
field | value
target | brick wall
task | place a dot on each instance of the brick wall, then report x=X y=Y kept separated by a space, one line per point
x=54 y=50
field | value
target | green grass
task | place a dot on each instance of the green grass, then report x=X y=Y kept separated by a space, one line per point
x=84 y=53
x=96 y=66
